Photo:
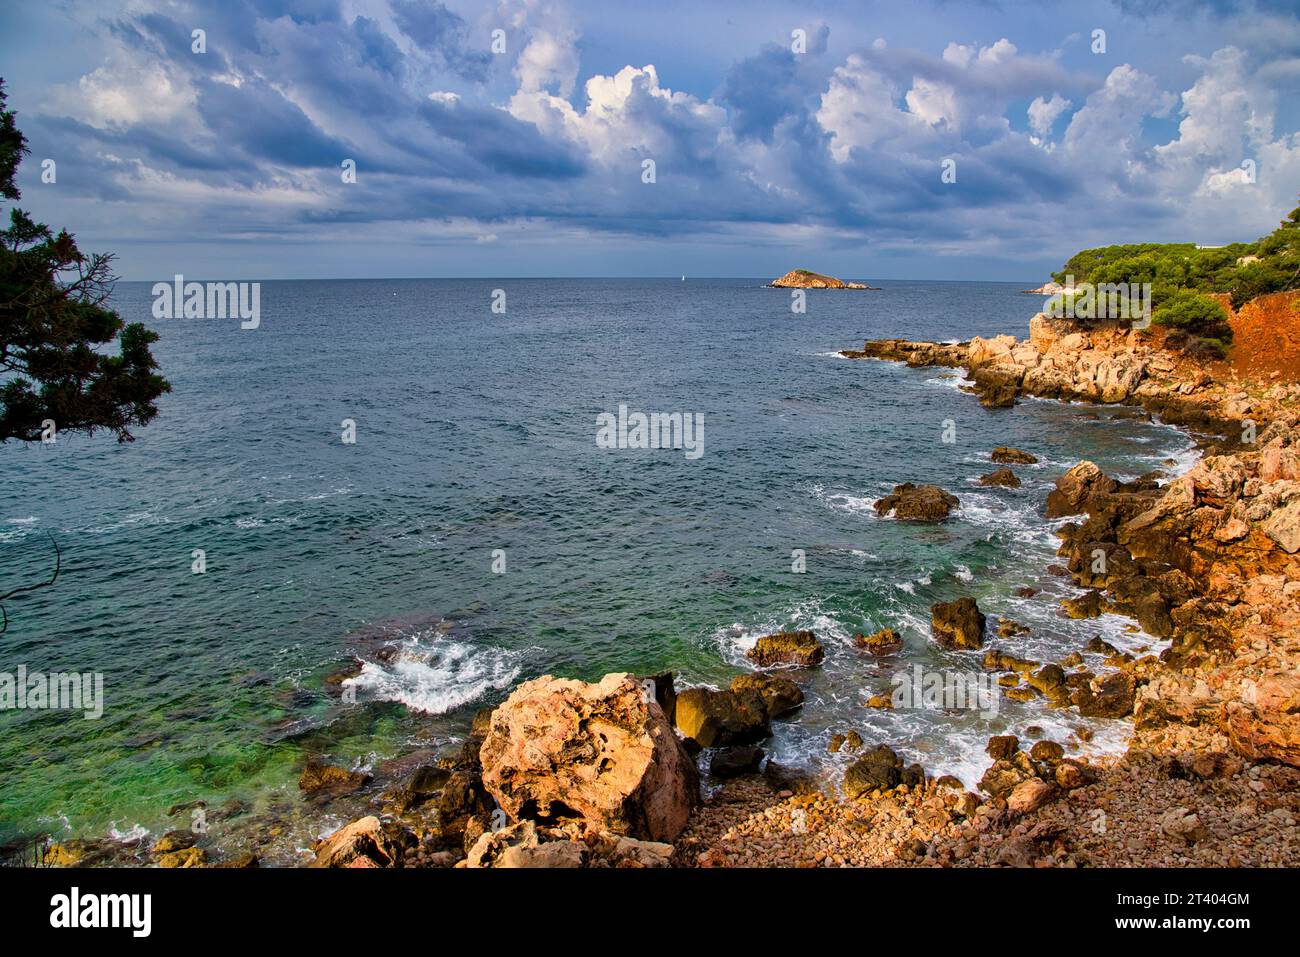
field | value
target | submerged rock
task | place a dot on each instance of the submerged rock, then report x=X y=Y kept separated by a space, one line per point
x=424 y=783
x=188 y=857
x=320 y=778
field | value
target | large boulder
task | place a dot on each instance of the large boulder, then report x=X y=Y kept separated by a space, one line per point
x=1108 y=378
x=1002 y=746
x=718 y=719
x=1029 y=796
x=1046 y=330
x=1076 y=488
x=957 y=624
x=990 y=351
x=997 y=385
x=798 y=648
x=1279 y=463
x=1283 y=527
x=917 y=503
x=364 y=843
x=739 y=715
x=780 y=695
x=1004 y=776
x=878 y=770
x=604 y=752
x=1049 y=380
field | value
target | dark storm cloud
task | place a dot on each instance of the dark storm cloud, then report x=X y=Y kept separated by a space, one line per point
x=259 y=120
x=442 y=33
x=850 y=142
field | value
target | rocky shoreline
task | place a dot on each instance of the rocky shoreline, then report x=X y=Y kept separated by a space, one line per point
x=608 y=774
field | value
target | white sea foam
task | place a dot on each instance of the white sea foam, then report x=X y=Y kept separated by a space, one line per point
x=1184 y=459
x=845 y=501
x=1018 y=521
x=135 y=518
x=133 y=833
x=438 y=675
x=251 y=523
x=735 y=639
x=953 y=381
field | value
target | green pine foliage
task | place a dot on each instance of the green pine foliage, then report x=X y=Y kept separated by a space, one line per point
x=56 y=332
x=1181 y=275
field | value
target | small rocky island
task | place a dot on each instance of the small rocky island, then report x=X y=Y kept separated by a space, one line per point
x=804 y=279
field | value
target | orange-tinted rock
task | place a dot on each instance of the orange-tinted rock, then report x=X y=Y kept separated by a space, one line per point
x=917 y=503
x=957 y=624
x=559 y=748
x=797 y=648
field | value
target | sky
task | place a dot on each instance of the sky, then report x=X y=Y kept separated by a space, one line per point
x=927 y=140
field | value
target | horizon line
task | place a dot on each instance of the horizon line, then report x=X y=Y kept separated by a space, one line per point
x=674 y=278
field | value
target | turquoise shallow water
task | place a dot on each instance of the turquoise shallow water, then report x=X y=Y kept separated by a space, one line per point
x=476 y=433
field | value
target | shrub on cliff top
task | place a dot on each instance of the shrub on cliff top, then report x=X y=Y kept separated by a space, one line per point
x=1244 y=270
x=1196 y=314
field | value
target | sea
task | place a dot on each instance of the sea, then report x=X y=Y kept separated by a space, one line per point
x=397 y=462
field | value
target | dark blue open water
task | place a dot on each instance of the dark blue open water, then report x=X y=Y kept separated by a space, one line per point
x=476 y=432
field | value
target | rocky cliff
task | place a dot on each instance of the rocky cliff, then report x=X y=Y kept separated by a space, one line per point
x=1209 y=560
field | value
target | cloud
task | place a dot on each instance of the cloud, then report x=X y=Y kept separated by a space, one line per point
x=548 y=63
x=839 y=145
x=1043 y=114
x=442 y=34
